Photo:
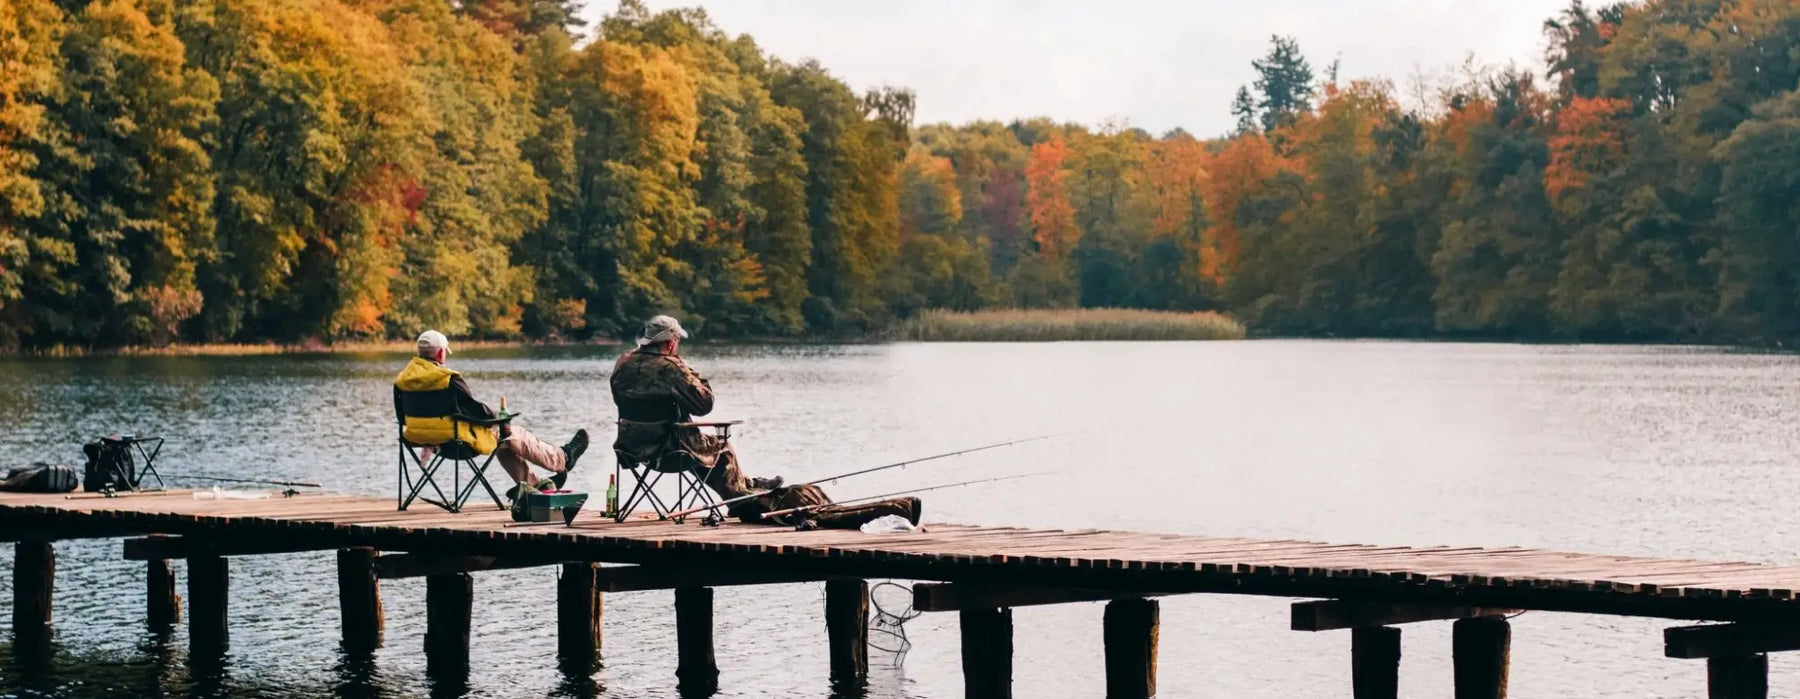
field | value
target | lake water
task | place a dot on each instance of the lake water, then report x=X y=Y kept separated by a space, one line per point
x=1653 y=451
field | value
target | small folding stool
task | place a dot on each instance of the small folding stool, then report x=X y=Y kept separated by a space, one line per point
x=116 y=465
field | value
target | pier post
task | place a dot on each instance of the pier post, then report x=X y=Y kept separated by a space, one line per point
x=1375 y=662
x=1479 y=651
x=209 y=598
x=162 y=602
x=34 y=583
x=696 y=669
x=580 y=607
x=1131 y=629
x=847 y=629
x=987 y=652
x=449 y=602
x=1740 y=677
x=359 y=599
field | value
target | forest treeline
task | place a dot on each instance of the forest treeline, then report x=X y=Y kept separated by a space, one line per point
x=247 y=170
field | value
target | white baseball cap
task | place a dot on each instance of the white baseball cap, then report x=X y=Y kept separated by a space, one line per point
x=432 y=339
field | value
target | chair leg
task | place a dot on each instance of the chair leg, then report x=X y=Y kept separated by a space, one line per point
x=429 y=477
x=644 y=491
x=478 y=477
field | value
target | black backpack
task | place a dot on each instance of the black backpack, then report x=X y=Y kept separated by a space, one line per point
x=109 y=466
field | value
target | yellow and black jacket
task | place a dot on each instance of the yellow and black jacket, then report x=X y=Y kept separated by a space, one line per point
x=427 y=395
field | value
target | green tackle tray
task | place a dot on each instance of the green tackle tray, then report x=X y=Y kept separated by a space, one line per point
x=545 y=507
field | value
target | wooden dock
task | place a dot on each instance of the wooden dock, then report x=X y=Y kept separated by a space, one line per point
x=980 y=572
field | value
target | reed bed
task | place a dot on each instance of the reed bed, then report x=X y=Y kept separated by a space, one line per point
x=1071 y=324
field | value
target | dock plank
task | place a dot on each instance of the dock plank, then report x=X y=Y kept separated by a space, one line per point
x=1148 y=563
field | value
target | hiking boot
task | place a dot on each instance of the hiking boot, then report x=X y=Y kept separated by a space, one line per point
x=571 y=453
x=766 y=483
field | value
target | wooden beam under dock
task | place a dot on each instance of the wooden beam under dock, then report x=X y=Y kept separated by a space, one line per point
x=1729 y=640
x=153 y=548
x=1331 y=615
x=951 y=597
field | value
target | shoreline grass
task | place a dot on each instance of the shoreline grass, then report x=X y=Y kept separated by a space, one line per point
x=998 y=325
x=1068 y=325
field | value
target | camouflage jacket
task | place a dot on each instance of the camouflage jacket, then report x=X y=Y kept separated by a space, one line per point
x=651 y=390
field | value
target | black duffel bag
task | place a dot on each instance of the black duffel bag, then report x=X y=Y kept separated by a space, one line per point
x=39 y=478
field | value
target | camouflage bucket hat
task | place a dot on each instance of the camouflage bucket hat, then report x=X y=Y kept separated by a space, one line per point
x=660 y=329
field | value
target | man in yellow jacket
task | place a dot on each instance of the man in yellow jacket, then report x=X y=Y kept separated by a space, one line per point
x=427 y=395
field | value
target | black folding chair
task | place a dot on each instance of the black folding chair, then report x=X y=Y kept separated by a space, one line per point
x=671 y=460
x=416 y=474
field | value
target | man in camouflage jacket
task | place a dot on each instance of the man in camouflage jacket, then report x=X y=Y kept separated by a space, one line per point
x=653 y=387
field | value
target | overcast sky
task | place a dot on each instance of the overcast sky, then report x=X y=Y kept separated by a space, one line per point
x=1157 y=64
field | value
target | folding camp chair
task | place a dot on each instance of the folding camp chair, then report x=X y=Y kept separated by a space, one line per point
x=671 y=460
x=416 y=473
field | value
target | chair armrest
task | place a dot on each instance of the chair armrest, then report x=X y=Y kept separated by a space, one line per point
x=501 y=419
x=718 y=423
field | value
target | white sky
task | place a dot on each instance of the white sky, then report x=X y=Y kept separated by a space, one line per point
x=1157 y=64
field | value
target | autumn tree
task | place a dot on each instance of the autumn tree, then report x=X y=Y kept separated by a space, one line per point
x=125 y=182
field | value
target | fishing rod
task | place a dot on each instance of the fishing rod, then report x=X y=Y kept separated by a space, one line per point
x=934 y=457
x=289 y=485
x=852 y=501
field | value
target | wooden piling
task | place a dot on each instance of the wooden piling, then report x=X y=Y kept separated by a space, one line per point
x=1130 y=630
x=847 y=629
x=580 y=607
x=1375 y=662
x=359 y=599
x=449 y=602
x=162 y=602
x=1741 y=677
x=696 y=669
x=209 y=600
x=1479 y=651
x=987 y=652
x=34 y=583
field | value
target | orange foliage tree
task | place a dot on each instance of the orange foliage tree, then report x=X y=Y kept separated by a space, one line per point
x=1047 y=198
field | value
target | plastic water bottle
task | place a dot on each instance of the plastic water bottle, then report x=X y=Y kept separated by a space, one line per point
x=612 y=495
